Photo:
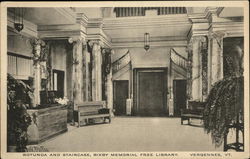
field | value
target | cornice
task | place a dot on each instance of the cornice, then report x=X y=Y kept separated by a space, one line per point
x=82 y=19
x=67 y=30
x=95 y=23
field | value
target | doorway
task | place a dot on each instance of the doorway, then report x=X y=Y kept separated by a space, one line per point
x=180 y=98
x=150 y=91
x=120 y=94
x=58 y=83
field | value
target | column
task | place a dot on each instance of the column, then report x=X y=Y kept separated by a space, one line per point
x=77 y=62
x=196 y=67
x=216 y=53
x=96 y=70
x=37 y=46
x=109 y=87
x=85 y=72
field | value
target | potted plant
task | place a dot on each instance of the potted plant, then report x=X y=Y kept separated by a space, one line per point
x=225 y=103
x=19 y=97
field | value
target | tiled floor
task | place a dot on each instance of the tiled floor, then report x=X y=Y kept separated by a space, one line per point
x=133 y=134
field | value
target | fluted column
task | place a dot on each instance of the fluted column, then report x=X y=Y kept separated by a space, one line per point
x=96 y=70
x=77 y=63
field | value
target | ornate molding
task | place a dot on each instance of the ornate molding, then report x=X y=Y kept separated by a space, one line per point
x=217 y=35
x=78 y=40
x=92 y=43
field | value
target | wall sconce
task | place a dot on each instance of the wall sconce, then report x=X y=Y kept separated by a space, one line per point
x=146 y=41
x=18 y=19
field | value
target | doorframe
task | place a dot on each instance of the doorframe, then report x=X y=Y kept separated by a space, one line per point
x=135 y=92
x=113 y=83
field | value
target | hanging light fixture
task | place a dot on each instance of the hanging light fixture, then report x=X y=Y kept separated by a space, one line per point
x=18 y=19
x=146 y=41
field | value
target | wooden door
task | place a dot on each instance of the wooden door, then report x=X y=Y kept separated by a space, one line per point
x=120 y=96
x=151 y=94
x=180 y=97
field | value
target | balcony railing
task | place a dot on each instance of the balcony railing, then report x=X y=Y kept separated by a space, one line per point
x=178 y=59
x=121 y=63
x=140 y=11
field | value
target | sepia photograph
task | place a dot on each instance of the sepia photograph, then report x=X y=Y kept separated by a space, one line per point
x=125 y=80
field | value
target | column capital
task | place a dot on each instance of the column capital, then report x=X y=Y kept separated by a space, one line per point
x=77 y=40
x=198 y=39
x=38 y=51
x=95 y=42
x=217 y=35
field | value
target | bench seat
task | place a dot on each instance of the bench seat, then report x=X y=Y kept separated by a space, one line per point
x=92 y=110
x=194 y=111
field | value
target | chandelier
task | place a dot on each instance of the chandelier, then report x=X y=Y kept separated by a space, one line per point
x=146 y=41
x=18 y=19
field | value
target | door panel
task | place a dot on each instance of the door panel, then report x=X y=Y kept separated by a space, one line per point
x=120 y=96
x=151 y=93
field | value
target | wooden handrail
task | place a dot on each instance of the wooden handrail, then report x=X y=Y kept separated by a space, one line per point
x=178 y=54
x=120 y=58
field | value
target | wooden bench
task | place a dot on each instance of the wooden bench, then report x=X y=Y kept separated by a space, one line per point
x=92 y=110
x=194 y=111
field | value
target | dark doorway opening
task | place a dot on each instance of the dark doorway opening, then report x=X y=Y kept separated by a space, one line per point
x=150 y=92
x=180 y=98
x=58 y=83
x=120 y=93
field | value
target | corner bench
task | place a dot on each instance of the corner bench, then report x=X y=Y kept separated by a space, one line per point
x=194 y=111
x=92 y=110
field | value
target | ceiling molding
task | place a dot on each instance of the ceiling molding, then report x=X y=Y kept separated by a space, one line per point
x=232 y=29
x=145 y=22
x=59 y=34
x=95 y=23
x=82 y=19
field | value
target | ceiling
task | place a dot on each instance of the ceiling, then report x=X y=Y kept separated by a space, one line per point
x=160 y=26
x=232 y=12
x=49 y=16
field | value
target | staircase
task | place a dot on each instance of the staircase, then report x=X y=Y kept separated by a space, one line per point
x=178 y=63
x=121 y=66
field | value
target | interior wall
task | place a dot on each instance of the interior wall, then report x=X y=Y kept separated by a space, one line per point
x=155 y=57
x=17 y=43
x=59 y=56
